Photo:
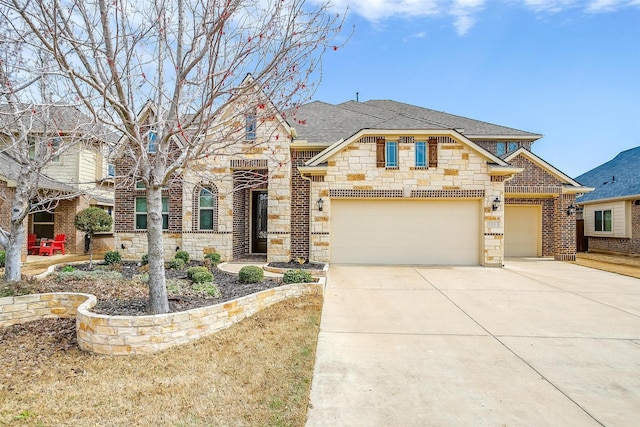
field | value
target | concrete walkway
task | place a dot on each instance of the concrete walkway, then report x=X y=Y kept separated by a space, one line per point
x=538 y=343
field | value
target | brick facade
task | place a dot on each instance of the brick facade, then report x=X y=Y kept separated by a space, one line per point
x=536 y=186
x=300 y=204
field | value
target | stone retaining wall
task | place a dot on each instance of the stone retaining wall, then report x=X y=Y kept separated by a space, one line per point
x=123 y=335
x=25 y=308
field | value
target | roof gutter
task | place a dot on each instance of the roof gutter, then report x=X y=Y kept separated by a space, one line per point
x=611 y=199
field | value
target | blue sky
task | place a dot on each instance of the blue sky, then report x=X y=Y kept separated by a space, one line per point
x=566 y=69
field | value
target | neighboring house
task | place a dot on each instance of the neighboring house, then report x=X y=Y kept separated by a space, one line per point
x=84 y=169
x=372 y=182
x=9 y=172
x=611 y=213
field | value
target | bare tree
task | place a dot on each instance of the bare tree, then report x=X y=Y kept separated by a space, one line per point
x=34 y=132
x=190 y=59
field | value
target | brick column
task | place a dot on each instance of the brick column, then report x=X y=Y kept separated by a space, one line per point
x=565 y=228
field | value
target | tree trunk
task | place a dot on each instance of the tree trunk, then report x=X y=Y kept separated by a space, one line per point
x=15 y=240
x=158 y=301
x=13 y=261
x=90 y=250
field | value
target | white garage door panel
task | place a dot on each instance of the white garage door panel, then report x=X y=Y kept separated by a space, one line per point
x=405 y=232
x=522 y=230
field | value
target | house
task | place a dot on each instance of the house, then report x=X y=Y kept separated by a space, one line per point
x=84 y=170
x=366 y=182
x=611 y=213
x=9 y=173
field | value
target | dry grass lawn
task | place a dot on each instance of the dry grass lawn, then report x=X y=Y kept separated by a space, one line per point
x=256 y=373
x=615 y=263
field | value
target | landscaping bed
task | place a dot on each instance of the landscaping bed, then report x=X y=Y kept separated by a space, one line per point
x=122 y=289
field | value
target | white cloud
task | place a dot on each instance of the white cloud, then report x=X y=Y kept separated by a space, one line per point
x=464 y=12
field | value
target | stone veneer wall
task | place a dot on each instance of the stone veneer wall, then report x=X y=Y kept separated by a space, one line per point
x=622 y=245
x=461 y=173
x=124 y=335
x=25 y=308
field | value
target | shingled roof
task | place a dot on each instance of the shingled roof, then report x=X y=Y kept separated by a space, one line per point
x=615 y=179
x=320 y=122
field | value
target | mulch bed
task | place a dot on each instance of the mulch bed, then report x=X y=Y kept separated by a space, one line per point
x=294 y=265
x=127 y=295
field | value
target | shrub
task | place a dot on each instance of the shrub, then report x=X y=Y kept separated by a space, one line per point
x=183 y=255
x=112 y=257
x=3 y=257
x=176 y=263
x=297 y=276
x=145 y=259
x=251 y=274
x=68 y=269
x=213 y=257
x=193 y=270
x=202 y=277
x=207 y=288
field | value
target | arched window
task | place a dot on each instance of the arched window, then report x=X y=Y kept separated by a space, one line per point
x=208 y=208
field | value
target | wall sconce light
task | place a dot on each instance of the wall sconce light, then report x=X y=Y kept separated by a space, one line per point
x=122 y=245
x=496 y=204
x=177 y=248
x=571 y=210
x=320 y=203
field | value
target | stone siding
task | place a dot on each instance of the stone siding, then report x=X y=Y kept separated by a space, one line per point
x=460 y=173
x=25 y=308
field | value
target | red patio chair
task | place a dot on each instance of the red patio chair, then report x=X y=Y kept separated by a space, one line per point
x=32 y=244
x=58 y=243
x=46 y=247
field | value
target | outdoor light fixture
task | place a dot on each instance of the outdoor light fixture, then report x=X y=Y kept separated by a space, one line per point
x=177 y=248
x=571 y=210
x=320 y=203
x=496 y=204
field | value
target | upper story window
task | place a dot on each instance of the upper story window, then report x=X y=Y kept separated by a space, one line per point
x=513 y=146
x=141 y=213
x=207 y=209
x=31 y=141
x=54 y=146
x=151 y=137
x=421 y=154
x=111 y=170
x=501 y=148
x=140 y=185
x=251 y=126
x=391 y=154
x=603 y=220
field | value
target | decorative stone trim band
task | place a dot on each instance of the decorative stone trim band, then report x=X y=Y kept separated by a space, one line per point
x=124 y=335
x=529 y=189
x=448 y=194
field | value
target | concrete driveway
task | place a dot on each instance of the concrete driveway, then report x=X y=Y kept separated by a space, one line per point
x=536 y=343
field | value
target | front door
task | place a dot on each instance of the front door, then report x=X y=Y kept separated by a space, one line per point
x=259 y=202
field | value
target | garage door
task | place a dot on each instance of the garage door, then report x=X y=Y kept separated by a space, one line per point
x=444 y=232
x=522 y=230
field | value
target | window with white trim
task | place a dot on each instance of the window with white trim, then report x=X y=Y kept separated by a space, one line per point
x=151 y=137
x=251 y=127
x=141 y=213
x=603 y=220
x=421 y=154
x=391 y=154
x=207 y=207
